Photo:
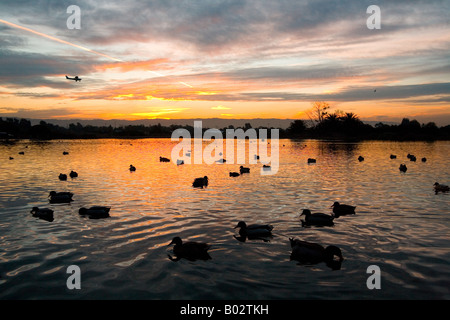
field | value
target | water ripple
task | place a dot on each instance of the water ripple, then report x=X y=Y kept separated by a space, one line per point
x=400 y=225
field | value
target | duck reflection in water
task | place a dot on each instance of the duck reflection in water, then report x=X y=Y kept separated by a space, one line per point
x=189 y=250
x=307 y=253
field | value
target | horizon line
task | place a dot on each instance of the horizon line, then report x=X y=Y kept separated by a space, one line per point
x=389 y=121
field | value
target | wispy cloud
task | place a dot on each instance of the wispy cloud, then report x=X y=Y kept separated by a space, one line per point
x=161 y=113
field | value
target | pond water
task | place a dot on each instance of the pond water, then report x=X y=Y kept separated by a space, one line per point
x=400 y=225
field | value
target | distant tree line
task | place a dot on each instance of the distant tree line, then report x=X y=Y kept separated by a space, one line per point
x=337 y=125
x=347 y=126
x=22 y=129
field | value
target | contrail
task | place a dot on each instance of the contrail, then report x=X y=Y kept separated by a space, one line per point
x=58 y=40
x=76 y=46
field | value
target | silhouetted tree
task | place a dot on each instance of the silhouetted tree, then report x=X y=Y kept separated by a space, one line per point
x=296 y=128
x=318 y=112
x=430 y=129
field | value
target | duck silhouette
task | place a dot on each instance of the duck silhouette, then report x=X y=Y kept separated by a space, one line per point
x=316 y=219
x=200 y=182
x=189 y=250
x=440 y=188
x=162 y=159
x=96 y=212
x=311 y=160
x=234 y=174
x=393 y=156
x=242 y=170
x=44 y=213
x=62 y=177
x=73 y=174
x=254 y=231
x=312 y=253
x=60 y=197
x=132 y=168
x=342 y=209
x=403 y=168
x=360 y=158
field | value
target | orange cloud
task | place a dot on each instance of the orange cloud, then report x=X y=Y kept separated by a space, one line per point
x=136 y=65
x=158 y=113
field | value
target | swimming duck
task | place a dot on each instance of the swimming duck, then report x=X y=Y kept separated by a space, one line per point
x=360 y=158
x=21 y=152
x=180 y=162
x=132 y=168
x=162 y=159
x=234 y=174
x=96 y=212
x=242 y=170
x=412 y=158
x=441 y=188
x=73 y=174
x=189 y=250
x=221 y=161
x=316 y=219
x=60 y=197
x=311 y=160
x=11 y=158
x=393 y=156
x=266 y=167
x=44 y=213
x=254 y=230
x=62 y=176
x=200 y=182
x=424 y=159
x=342 y=209
x=313 y=253
x=403 y=168
x=65 y=153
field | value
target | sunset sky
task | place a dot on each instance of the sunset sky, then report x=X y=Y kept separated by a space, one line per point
x=183 y=59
